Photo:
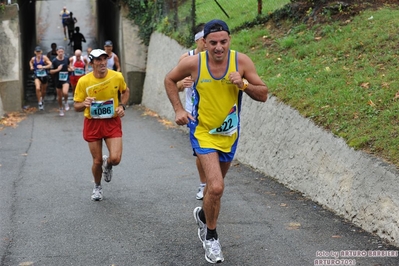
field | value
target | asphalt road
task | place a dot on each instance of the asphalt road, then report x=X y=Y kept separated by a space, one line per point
x=47 y=217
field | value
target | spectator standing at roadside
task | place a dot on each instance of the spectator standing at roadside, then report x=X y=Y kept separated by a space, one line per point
x=61 y=73
x=186 y=85
x=221 y=76
x=77 y=39
x=96 y=95
x=40 y=65
x=64 y=15
x=113 y=60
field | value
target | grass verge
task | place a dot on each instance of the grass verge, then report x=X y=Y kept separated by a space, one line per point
x=343 y=76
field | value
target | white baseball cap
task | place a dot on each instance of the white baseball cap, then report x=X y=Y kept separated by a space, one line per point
x=96 y=53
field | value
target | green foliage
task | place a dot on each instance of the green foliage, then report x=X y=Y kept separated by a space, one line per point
x=342 y=76
x=146 y=14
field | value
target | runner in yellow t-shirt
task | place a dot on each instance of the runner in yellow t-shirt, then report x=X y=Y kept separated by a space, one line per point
x=96 y=95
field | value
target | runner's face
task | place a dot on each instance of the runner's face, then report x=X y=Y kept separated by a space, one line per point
x=60 y=52
x=217 y=44
x=78 y=55
x=108 y=49
x=201 y=44
x=100 y=64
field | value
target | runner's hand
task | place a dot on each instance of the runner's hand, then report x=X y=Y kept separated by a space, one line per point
x=236 y=79
x=120 y=111
x=88 y=101
x=183 y=118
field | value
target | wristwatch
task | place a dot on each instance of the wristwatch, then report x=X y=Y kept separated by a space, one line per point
x=123 y=106
x=245 y=84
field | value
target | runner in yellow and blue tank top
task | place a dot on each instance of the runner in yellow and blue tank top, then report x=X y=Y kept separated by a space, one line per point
x=216 y=114
x=221 y=77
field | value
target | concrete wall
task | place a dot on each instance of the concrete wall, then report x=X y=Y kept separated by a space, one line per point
x=163 y=55
x=134 y=57
x=11 y=89
x=280 y=143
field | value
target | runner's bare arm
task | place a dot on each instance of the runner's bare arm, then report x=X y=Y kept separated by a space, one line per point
x=256 y=89
x=81 y=106
x=183 y=69
x=117 y=64
x=31 y=64
x=47 y=62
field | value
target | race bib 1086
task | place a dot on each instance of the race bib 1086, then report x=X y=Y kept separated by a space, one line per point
x=102 y=109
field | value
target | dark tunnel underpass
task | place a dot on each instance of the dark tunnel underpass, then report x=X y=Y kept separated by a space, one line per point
x=104 y=14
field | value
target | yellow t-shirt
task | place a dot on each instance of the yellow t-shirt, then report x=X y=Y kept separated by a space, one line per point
x=217 y=104
x=104 y=90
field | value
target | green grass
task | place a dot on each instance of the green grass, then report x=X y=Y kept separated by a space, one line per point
x=239 y=12
x=342 y=76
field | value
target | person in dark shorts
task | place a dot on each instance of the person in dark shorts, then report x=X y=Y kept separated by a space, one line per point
x=61 y=70
x=77 y=39
x=40 y=65
x=64 y=15
x=71 y=21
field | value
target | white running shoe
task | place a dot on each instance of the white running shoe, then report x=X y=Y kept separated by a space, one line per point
x=201 y=225
x=66 y=106
x=200 y=193
x=107 y=172
x=61 y=112
x=41 y=107
x=213 y=251
x=97 y=194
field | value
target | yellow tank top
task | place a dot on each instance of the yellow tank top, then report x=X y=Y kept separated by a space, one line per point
x=105 y=91
x=217 y=104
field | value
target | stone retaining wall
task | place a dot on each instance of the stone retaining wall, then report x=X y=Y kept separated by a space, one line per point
x=279 y=142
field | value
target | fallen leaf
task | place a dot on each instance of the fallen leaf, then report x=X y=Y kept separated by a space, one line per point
x=26 y=263
x=385 y=85
x=293 y=226
x=370 y=102
x=365 y=85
